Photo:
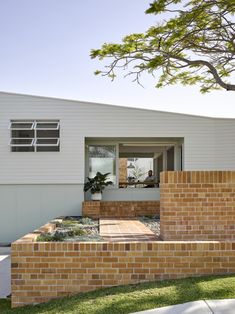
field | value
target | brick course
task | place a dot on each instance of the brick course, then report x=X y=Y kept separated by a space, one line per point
x=197 y=205
x=42 y=271
x=123 y=209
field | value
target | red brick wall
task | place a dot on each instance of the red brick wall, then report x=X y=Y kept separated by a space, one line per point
x=42 y=271
x=122 y=209
x=197 y=205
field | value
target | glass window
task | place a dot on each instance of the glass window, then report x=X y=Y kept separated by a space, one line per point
x=35 y=136
x=102 y=158
x=21 y=125
x=47 y=125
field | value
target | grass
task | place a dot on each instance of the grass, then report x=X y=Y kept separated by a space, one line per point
x=132 y=298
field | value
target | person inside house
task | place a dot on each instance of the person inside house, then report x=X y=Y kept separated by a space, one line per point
x=150 y=180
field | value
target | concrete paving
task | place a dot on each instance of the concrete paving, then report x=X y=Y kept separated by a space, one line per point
x=222 y=306
x=226 y=306
x=5 y=272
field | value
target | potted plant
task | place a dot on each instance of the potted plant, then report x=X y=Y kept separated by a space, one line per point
x=96 y=185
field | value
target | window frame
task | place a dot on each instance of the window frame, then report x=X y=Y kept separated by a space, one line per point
x=21 y=122
x=47 y=138
x=22 y=138
x=46 y=122
x=34 y=127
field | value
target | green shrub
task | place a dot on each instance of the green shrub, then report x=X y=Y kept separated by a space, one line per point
x=51 y=237
x=69 y=222
x=79 y=232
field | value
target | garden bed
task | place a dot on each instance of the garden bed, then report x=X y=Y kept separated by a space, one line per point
x=73 y=229
x=84 y=229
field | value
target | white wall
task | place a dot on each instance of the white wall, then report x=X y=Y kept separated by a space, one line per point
x=27 y=207
x=80 y=120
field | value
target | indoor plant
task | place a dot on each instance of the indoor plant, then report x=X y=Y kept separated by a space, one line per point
x=96 y=185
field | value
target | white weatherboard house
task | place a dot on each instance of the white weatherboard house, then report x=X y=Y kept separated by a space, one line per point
x=48 y=146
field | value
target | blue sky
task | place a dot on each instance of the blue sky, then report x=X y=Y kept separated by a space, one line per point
x=45 y=46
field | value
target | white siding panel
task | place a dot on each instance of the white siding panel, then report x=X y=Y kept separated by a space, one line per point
x=225 y=144
x=204 y=148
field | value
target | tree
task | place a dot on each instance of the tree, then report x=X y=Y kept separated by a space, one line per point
x=194 y=42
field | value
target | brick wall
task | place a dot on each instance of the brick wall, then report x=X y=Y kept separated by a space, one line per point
x=122 y=169
x=42 y=271
x=197 y=205
x=122 y=209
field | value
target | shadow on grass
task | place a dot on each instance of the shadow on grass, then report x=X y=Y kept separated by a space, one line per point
x=133 y=298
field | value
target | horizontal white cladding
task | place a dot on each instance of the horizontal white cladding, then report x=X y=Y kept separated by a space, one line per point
x=225 y=144
x=208 y=142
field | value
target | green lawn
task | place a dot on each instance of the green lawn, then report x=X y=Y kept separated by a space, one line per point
x=132 y=298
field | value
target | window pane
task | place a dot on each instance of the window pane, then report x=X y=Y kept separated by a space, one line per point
x=103 y=159
x=108 y=151
x=21 y=125
x=22 y=141
x=22 y=149
x=22 y=133
x=47 y=125
x=48 y=133
x=46 y=141
x=47 y=148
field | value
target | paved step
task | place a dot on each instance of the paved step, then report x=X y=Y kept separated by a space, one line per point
x=122 y=230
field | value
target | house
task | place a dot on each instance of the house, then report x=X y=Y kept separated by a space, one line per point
x=49 y=146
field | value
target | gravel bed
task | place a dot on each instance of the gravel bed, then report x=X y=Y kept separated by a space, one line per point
x=72 y=229
x=153 y=223
x=83 y=229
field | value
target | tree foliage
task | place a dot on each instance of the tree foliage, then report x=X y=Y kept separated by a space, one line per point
x=194 y=42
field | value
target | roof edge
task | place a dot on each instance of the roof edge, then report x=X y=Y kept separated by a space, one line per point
x=118 y=106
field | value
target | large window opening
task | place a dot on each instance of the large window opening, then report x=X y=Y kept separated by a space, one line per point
x=138 y=159
x=133 y=162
